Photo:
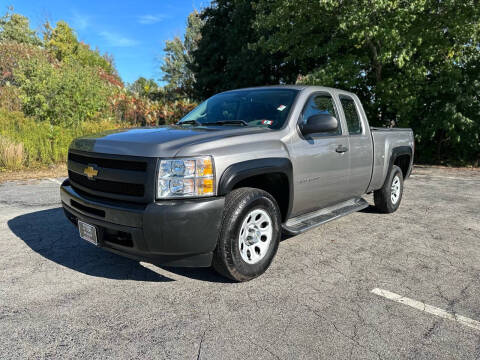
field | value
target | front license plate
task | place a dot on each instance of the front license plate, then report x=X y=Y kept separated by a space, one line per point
x=88 y=232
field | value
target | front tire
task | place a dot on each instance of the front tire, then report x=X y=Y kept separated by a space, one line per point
x=249 y=236
x=388 y=198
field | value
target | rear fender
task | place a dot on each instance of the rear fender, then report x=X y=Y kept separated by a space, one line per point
x=396 y=152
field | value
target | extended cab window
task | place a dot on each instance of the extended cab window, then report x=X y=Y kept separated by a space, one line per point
x=352 y=118
x=321 y=104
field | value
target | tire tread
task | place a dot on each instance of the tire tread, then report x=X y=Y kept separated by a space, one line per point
x=222 y=260
x=381 y=197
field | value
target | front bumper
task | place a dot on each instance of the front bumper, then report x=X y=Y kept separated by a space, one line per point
x=172 y=233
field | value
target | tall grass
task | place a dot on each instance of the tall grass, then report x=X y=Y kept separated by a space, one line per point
x=41 y=142
x=11 y=154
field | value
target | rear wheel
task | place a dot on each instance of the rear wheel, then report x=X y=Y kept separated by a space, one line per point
x=249 y=236
x=388 y=198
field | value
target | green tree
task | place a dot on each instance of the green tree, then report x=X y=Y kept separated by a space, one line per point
x=15 y=27
x=142 y=87
x=62 y=41
x=178 y=58
x=413 y=63
x=225 y=58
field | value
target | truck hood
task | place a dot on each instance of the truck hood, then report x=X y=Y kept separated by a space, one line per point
x=162 y=141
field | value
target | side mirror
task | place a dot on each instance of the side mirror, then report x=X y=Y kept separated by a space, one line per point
x=319 y=123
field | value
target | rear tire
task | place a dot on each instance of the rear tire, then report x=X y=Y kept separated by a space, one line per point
x=388 y=198
x=249 y=235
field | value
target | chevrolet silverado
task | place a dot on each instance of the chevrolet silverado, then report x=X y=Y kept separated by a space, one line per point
x=219 y=187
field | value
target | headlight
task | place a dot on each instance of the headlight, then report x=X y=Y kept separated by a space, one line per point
x=191 y=177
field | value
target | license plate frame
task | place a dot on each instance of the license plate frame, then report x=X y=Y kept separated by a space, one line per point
x=88 y=232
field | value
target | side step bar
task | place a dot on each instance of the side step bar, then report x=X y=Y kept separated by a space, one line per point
x=302 y=223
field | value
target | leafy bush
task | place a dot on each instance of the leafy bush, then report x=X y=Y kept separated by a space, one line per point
x=135 y=110
x=16 y=27
x=63 y=94
x=171 y=112
x=12 y=53
x=10 y=98
x=142 y=111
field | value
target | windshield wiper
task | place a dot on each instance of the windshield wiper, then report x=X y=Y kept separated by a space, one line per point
x=190 y=122
x=226 y=122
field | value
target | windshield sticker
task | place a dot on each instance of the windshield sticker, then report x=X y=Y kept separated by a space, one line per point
x=267 y=122
x=281 y=108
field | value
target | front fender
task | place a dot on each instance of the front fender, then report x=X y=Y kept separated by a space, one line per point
x=245 y=169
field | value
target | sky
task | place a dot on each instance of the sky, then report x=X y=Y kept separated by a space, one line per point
x=134 y=32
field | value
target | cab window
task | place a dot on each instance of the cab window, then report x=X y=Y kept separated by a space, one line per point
x=321 y=104
x=352 y=117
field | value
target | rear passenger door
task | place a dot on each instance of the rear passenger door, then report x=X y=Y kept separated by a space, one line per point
x=360 y=143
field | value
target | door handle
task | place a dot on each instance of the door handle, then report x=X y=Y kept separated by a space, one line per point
x=341 y=149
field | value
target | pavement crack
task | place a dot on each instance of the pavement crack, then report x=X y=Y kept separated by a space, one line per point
x=353 y=338
x=265 y=349
x=209 y=325
x=452 y=302
x=431 y=330
x=200 y=345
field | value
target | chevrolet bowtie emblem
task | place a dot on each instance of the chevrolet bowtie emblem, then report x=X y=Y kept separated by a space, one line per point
x=91 y=172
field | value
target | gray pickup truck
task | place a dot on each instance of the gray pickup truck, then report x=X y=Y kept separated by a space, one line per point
x=219 y=187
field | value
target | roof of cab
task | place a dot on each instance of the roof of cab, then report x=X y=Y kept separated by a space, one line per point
x=294 y=87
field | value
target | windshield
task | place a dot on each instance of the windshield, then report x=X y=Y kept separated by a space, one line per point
x=261 y=107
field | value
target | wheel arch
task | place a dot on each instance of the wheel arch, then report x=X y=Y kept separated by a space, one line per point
x=402 y=156
x=273 y=175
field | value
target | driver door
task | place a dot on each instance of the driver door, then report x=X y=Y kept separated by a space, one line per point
x=321 y=162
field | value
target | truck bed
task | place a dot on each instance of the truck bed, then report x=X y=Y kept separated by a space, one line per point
x=390 y=129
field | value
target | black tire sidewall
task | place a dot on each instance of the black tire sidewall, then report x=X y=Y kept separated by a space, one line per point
x=396 y=171
x=237 y=267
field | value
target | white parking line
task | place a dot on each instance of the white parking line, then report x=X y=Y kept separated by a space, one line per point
x=427 y=308
x=55 y=181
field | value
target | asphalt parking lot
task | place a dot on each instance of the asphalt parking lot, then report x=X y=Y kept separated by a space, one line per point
x=61 y=297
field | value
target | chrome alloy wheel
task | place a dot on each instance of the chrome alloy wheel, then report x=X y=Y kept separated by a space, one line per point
x=395 y=189
x=255 y=236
